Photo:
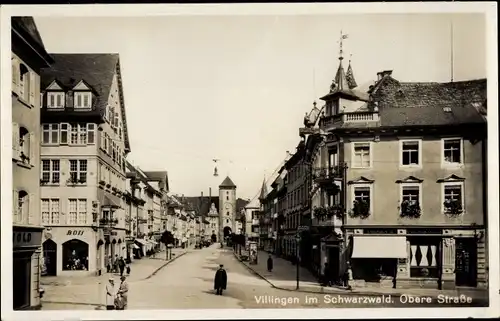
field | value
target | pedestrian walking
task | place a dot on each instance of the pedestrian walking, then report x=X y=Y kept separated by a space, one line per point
x=115 y=264
x=220 y=280
x=109 y=260
x=270 y=263
x=349 y=276
x=128 y=270
x=110 y=294
x=122 y=295
x=121 y=265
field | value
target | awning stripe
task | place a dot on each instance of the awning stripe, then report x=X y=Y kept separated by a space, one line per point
x=388 y=247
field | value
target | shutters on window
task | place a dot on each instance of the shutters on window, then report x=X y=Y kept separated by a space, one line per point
x=31 y=208
x=32 y=87
x=34 y=148
x=15 y=205
x=15 y=141
x=15 y=76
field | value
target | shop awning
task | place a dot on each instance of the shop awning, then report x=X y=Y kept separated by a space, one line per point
x=110 y=201
x=382 y=247
x=142 y=242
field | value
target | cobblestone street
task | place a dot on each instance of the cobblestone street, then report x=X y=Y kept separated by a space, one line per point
x=187 y=283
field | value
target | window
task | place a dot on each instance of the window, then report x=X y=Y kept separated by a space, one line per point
x=424 y=257
x=50 y=133
x=82 y=211
x=55 y=99
x=91 y=133
x=73 y=211
x=410 y=194
x=453 y=198
x=452 y=151
x=83 y=100
x=25 y=146
x=21 y=209
x=51 y=171
x=50 y=211
x=64 y=133
x=78 y=171
x=410 y=153
x=24 y=82
x=361 y=154
x=227 y=221
x=227 y=198
x=362 y=194
x=333 y=157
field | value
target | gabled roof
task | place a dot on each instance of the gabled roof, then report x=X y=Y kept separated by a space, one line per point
x=27 y=29
x=429 y=103
x=97 y=70
x=227 y=183
x=263 y=190
x=158 y=176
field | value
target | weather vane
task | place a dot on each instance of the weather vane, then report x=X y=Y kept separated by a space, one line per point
x=342 y=37
x=215 y=160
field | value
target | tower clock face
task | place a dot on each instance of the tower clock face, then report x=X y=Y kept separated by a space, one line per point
x=228 y=207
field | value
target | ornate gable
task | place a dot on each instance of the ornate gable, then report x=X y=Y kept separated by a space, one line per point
x=54 y=86
x=82 y=85
x=409 y=179
x=451 y=178
x=361 y=180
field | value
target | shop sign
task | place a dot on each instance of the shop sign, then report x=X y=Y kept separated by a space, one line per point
x=380 y=231
x=424 y=231
x=75 y=232
x=26 y=239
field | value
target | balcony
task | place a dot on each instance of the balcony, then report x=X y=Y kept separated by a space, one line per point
x=108 y=221
x=359 y=117
x=328 y=215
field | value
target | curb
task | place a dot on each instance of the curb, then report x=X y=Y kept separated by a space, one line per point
x=164 y=265
x=357 y=292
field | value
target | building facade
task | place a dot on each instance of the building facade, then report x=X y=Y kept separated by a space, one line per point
x=28 y=58
x=227 y=208
x=83 y=148
x=415 y=185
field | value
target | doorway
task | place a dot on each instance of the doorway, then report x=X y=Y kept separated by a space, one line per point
x=49 y=258
x=227 y=231
x=465 y=262
x=333 y=261
x=21 y=277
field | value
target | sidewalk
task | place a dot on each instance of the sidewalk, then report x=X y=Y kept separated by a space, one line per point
x=284 y=277
x=88 y=290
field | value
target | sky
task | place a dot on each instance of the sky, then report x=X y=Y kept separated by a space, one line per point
x=236 y=88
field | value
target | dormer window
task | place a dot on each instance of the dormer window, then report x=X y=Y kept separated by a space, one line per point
x=83 y=99
x=55 y=99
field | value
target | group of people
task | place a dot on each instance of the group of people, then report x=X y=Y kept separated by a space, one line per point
x=117 y=265
x=116 y=297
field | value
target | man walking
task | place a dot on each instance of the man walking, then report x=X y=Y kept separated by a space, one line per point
x=122 y=295
x=270 y=263
x=121 y=265
x=220 y=281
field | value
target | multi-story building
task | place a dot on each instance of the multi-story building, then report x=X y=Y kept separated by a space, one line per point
x=84 y=145
x=28 y=57
x=158 y=180
x=297 y=197
x=251 y=227
x=415 y=184
x=278 y=219
x=264 y=219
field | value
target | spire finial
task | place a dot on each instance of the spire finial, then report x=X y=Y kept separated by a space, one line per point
x=341 y=41
x=350 y=58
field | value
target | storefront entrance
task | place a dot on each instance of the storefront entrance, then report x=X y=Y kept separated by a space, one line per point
x=49 y=258
x=21 y=275
x=75 y=255
x=465 y=262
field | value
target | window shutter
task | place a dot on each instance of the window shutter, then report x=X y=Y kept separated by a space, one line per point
x=15 y=76
x=31 y=208
x=103 y=140
x=33 y=146
x=15 y=141
x=15 y=204
x=32 y=87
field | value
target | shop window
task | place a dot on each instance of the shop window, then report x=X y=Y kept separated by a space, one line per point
x=75 y=255
x=424 y=257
